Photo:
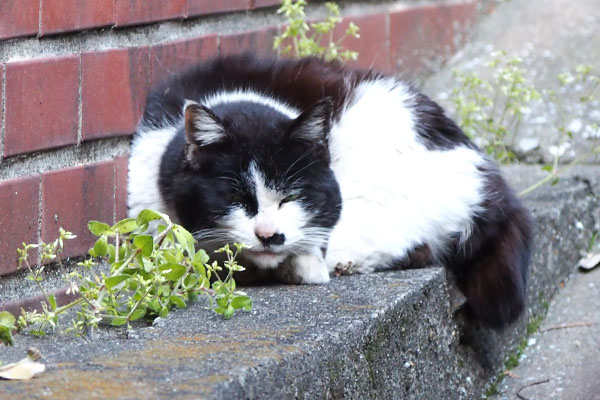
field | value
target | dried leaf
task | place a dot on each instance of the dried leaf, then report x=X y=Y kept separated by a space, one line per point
x=591 y=261
x=26 y=368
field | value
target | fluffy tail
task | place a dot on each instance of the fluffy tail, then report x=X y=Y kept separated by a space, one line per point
x=491 y=265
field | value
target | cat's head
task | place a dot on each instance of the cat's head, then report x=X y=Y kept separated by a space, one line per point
x=254 y=175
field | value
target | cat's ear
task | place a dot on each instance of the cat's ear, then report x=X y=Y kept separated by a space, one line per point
x=313 y=124
x=202 y=126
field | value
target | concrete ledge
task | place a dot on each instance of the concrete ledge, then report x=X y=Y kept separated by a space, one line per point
x=386 y=335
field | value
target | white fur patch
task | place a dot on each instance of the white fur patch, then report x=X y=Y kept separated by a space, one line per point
x=251 y=97
x=396 y=193
x=146 y=152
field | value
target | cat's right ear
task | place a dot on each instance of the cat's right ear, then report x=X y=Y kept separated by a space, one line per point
x=202 y=126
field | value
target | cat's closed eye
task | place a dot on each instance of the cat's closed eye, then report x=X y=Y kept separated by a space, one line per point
x=236 y=197
x=289 y=198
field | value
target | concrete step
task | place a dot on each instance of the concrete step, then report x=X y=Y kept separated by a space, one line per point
x=388 y=335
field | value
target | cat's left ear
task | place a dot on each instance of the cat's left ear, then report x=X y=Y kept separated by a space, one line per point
x=202 y=126
x=313 y=125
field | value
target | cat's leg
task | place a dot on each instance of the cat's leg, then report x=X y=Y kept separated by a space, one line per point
x=307 y=269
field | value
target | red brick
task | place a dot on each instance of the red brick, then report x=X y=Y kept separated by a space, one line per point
x=35 y=302
x=1 y=108
x=69 y=15
x=265 y=3
x=373 y=46
x=19 y=202
x=121 y=169
x=130 y=12
x=19 y=18
x=113 y=90
x=427 y=33
x=41 y=104
x=72 y=197
x=170 y=58
x=201 y=7
x=258 y=41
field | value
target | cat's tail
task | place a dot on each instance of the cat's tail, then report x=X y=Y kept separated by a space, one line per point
x=491 y=264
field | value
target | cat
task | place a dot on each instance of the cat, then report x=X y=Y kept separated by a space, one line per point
x=319 y=167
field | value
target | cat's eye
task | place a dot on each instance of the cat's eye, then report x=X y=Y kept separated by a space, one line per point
x=237 y=198
x=289 y=198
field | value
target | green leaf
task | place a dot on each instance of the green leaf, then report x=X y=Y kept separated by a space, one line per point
x=147 y=264
x=177 y=301
x=201 y=257
x=145 y=243
x=172 y=271
x=222 y=302
x=154 y=305
x=113 y=281
x=547 y=168
x=164 y=291
x=185 y=239
x=118 y=321
x=101 y=247
x=146 y=216
x=52 y=301
x=126 y=225
x=138 y=313
x=7 y=325
x=228 y=313
x=219 y=310
x=164 y=311
x=170 y=257
x=242 y=302
x=189 y=282
x=99 y=228
x=7 y=319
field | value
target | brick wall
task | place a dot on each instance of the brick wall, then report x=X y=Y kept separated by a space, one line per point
x=75 y=74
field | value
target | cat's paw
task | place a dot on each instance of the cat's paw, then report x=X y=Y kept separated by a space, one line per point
x=343 y=268
x=306 y=269
x=351 y=268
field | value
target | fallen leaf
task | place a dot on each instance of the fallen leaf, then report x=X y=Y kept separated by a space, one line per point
x=26 y=368
x=589 y=262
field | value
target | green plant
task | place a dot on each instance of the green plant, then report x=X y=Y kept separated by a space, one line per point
x=147 y=277
x=490 y=111
x=7 y=326
x=302 y=39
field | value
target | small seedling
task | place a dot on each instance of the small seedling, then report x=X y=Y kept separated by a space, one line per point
x=316 y=39
x=148 y=276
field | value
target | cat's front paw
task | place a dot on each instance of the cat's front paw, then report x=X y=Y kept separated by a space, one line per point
x=306 y=269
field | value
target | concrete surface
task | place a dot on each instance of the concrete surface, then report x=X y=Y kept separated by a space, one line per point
x=383 y=336
x=359 y=337
x=566 y=350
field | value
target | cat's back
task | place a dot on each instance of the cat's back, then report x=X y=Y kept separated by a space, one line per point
x=296 y=83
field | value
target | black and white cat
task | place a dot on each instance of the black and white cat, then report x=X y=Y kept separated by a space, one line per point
x=317 y=167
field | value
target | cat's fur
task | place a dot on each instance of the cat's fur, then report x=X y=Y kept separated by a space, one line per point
x=316 y=166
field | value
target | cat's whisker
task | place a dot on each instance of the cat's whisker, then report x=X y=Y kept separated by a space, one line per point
x=303 y=168
x=303 y=156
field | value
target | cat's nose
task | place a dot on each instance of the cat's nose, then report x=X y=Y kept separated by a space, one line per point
x=270 y=239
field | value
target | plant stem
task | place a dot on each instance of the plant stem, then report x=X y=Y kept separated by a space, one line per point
x=72 y=304
x=556 y=172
